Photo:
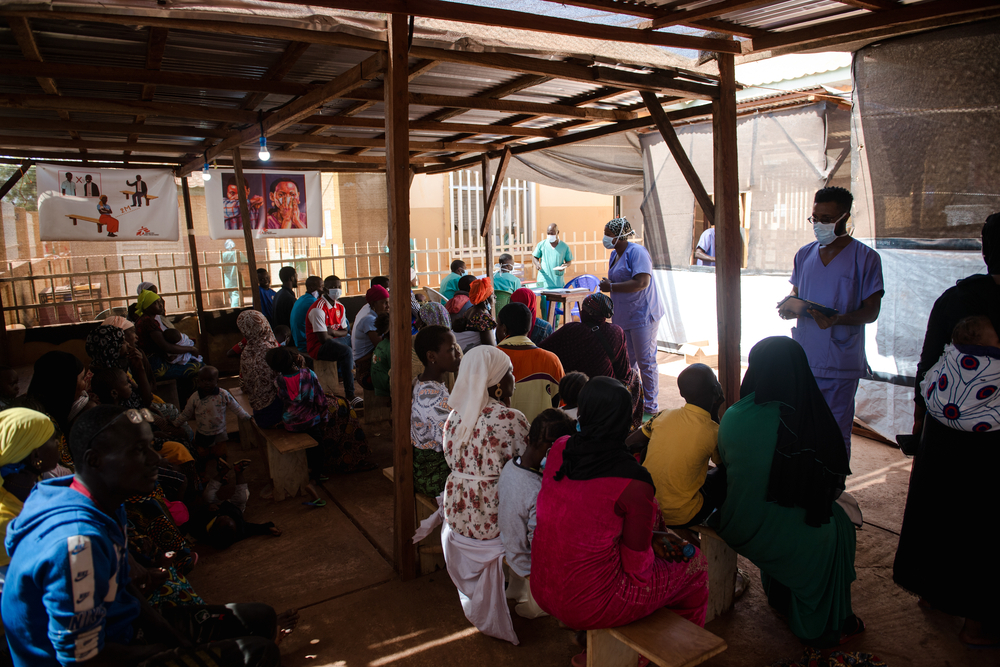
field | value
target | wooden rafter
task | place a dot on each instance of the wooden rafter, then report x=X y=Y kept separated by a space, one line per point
x=116 y=157
x=431 y=126
x=273 y=77
x=156 y=46
x=705 y=12
x=872 y=5
x=453 y=11
x=379 y=142
x=938 y=13
x=21 y=29
x=298 y=109
x=119 y=129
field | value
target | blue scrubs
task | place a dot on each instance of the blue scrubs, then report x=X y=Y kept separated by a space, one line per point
x=638 y=314
x=836 y=355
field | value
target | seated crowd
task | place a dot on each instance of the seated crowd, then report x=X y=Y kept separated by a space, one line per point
x=554 y=490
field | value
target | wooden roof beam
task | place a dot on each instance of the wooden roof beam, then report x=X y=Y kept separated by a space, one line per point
x=151 y=78
x=431 y=126
x=296 y=110
x=728 y=27
x=121 y=129
x=91 y=144
x=251 y=156
x=21 y=29
x=704 y=12
x=379 y=142
x=872 y=5
x=156 y=45
x=125 y=107
x=923 y=16
x=114 y=158
x=453 y=11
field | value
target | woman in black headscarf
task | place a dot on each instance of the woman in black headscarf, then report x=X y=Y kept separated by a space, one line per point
x=594 y=560
x=785 y=467
x=953 y=482
x=595 y=347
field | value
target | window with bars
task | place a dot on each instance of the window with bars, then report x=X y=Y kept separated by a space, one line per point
x=513 y=218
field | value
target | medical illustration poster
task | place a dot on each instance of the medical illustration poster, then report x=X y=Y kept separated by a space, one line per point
x=281 y=204
x=84 y=204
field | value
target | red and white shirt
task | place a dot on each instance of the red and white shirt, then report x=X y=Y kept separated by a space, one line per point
x=323 y=316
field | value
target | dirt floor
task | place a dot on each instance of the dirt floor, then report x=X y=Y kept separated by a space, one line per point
x=334 y=564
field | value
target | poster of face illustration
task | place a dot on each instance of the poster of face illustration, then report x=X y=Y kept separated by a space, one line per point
x=85 y=204
x=281 y=204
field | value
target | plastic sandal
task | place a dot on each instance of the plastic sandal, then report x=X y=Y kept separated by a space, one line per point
x=319 y=502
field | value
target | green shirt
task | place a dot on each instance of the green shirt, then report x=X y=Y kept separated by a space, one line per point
x=380 y=368
x=506 y=282
x=550 y=258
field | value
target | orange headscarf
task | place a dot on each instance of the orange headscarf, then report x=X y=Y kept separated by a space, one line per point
x=480 y=290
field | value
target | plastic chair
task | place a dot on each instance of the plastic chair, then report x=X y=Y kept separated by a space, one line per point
x=586 y=280
x=503 y=298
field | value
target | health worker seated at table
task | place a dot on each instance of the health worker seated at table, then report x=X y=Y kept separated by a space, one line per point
x=785 y=468
x=595 y=561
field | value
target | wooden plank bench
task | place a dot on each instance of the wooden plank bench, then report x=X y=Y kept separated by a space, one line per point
x=286 y=457
x=721 y=561
x=663 y=637
x=129 y=193
x=326 y=372
x=429 y=549
x=74 y=218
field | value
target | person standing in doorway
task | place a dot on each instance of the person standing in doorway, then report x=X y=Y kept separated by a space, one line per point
x=704 y=254
x=231 y=274
x=551 y=259
x=637 y=305
x=838 y=272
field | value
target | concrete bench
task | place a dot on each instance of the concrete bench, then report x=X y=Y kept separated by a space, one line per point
x=721 y=561
x=430 y=553
x=286 y=457
x=74 y=218
x=663 y=637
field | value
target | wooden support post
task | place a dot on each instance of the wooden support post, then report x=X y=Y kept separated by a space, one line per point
x=247 y=230
x=398 y=191
x=199 y=300
x=4 y=344
x=494 y=197
x=15 y=178
x=680 y=157
x=728 y=240
x=488 y=235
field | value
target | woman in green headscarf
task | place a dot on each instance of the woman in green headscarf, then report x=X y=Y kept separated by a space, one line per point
x=27 y=449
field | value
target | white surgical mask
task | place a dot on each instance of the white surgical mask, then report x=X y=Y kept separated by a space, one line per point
x=552 y=238
x=609 y=242
x=315 y=294
x=336 y=293
x=825 y=232
x=506 y=268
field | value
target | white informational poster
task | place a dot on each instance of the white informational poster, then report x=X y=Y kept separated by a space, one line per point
x=78 y=203
x=281 y=204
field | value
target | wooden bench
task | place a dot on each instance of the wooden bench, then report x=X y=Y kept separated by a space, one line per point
x=721 y=561
x=129 y=193
x=74 y=218
x=326 y=372
x=286 y=457
x=429 y=550
x=663 y=637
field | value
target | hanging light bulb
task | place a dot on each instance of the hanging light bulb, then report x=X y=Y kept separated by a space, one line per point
x=263 y=154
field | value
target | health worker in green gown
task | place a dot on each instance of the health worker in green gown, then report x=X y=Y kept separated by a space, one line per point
x=785 y=467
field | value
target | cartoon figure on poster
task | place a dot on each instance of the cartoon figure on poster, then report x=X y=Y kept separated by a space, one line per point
x=231 y=202
x=280 y=204
x=288 y=201
x=70 y=202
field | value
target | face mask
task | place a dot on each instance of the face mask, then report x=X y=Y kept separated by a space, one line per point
x=336 y=293
x=609 y=242
x=553 y=238
x=824 y=232
x=315 y=294
x=506 y=268
x=461 y=272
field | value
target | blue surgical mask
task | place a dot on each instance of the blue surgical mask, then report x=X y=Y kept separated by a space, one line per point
x=825 y=232
x=609 y=242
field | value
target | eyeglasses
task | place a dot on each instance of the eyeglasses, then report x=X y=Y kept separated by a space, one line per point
x=133 y=415
x=812 y=219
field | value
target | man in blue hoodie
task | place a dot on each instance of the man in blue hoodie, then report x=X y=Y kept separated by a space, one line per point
x=68 y=599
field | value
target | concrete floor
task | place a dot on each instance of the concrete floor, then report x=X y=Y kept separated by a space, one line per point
x=334 y=564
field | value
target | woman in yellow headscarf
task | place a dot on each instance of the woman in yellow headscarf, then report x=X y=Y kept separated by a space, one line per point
x=27 y=449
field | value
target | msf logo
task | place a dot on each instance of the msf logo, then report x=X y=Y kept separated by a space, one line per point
x=144 y=231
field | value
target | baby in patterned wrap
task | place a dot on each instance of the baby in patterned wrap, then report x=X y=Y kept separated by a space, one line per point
x=961 y=388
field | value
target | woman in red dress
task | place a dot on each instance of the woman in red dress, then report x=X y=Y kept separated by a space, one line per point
x=106 y=218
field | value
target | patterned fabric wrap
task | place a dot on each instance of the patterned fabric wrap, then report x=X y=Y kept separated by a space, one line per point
x=435 y=313
x=175 y=591
x=348 y=443
x=104 y=347
x=151 y=530
x=813 y=657
x=479 y=320
x=620 y=227
x=598 y=306
x=430 y=472
x=961 y=388
x=256 y=377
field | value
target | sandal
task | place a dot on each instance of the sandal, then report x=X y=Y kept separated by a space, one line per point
x=319 y=502
x=358 y=403
x=851 y=629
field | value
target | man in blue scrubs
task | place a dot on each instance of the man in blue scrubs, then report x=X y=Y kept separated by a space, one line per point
x=839 y=272
x=450 y=284
x=551 y=258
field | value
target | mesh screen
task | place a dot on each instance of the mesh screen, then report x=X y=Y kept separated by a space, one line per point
x=929 y=108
